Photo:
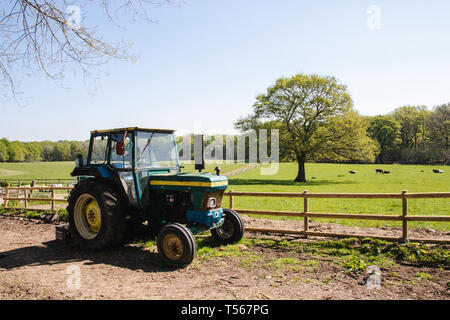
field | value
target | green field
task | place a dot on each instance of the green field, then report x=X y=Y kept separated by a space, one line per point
x=335 y=178
x=36 y=170
x=61 y=170
x=328 y=178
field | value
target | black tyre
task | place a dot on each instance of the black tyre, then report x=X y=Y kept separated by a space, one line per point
x=176 y=244
x=232 y=229
x=95 y=216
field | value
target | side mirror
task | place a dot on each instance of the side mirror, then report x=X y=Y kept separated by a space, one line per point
x=199 y=158
x=120 y=148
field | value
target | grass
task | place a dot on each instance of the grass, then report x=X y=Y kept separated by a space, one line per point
x=328 y=178
x=331 y=178
x=62 y=214
x=62 y=169
x=352 y=255
x=290 y=263
x=423 y=276
x=36 y=170
x=356 y=254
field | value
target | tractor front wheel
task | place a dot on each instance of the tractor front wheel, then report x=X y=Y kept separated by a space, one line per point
x=176 y=244
x=232 y=229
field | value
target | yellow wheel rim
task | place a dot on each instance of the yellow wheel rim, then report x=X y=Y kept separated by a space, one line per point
x=87 y=216
x=172 y=246
x=93 y=216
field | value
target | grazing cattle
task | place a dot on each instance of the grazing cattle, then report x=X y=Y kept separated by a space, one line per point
x=437 y=171
x=386 y=172
x=352 y=172
x=379 y=171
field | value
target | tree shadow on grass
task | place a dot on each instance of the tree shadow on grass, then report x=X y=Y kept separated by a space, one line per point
x=310 y=182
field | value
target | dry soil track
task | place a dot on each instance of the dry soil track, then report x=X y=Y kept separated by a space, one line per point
x=35 y=266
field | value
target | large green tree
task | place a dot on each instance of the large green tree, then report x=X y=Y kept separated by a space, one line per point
x=350 y=142
x=312 y=112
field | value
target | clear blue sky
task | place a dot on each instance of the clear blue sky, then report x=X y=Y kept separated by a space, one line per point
x=205 y=62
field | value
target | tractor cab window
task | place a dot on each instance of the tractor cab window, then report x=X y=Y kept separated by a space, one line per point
x=99 y=150
x=156 y=150
x=122 y=161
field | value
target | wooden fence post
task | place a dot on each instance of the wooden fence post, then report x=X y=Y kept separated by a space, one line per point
x=6 y=195
x=231 y=199
x=305 y=210
x=33 y=184
x=25 y=193
x=53 y=198
x=404 y=215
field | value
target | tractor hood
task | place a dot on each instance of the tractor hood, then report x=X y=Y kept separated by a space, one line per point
x=189 y=181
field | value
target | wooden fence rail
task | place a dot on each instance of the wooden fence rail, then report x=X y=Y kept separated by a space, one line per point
x=28 y=192
x=21 y=182
x=306 y=214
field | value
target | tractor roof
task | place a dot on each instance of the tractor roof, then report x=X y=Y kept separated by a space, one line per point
x=133 y=129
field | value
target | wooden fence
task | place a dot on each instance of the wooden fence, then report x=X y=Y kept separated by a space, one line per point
x=20 y=182
x=28 y=192
x=306 y=214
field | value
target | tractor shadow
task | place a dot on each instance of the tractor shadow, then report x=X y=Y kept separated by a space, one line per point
x=54 y=252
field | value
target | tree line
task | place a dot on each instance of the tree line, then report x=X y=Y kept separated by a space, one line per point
x=17 y=151
x=412 y=134
x=409 y=134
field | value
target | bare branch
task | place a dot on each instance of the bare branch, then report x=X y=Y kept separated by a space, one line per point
x=37 y=36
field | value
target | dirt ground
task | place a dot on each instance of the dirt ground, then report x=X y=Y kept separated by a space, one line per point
x=33 y=265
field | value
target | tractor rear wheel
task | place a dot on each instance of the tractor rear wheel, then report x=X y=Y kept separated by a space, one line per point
x=176 y=244
x=232 y=229
x=95 y=216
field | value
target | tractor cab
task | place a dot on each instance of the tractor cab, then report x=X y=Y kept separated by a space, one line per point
x=129 y=156
x=132 y=176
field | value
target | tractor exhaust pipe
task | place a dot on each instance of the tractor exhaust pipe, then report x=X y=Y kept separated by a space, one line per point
x=199 y=152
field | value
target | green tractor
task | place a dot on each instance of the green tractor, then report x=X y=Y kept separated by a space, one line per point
x=132 y=178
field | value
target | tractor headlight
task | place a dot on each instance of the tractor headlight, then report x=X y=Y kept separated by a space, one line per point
x=211 y=202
